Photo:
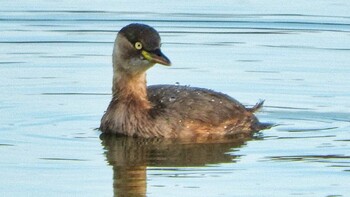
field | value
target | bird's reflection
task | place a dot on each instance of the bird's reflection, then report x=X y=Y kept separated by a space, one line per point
x=131 y=156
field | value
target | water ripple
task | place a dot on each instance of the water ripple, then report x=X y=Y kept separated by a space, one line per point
x=314 y=158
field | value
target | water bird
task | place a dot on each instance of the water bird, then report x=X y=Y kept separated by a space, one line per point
x=166 y=111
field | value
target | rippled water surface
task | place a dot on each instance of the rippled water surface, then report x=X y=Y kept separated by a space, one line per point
x=55 y=81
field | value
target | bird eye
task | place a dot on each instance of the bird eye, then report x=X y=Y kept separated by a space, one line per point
x=138 y=45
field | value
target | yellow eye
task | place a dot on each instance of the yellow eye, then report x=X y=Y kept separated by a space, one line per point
x=138 y=45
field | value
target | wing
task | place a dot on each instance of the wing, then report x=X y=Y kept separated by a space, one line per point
x=197 y=104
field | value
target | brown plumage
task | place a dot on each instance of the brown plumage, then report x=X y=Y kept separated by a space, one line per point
x=168 y=111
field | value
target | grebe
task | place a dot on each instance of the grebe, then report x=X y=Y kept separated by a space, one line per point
x=166 y=111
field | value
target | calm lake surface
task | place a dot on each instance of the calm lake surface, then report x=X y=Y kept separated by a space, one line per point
x=55 y=83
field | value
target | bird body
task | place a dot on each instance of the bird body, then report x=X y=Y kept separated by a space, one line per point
x=166 y=111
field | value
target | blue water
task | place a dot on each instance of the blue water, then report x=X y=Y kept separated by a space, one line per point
x=55 y=83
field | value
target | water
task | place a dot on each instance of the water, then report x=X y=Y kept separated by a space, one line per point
x=55 y=80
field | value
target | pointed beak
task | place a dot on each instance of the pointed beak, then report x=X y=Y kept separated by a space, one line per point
x=156 y=56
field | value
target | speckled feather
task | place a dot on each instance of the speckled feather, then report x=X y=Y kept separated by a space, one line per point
x=194 y=103
x=215 y=112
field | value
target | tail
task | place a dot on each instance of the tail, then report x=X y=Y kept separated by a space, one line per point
x=257 y=106
x=259 y=125
x=262 y=126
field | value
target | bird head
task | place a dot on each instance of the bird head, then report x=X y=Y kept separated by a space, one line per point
x=137 y=48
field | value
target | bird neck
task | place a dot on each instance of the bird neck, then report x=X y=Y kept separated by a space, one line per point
x=131 y=89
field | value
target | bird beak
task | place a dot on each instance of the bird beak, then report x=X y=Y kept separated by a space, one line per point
x=156 y=56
